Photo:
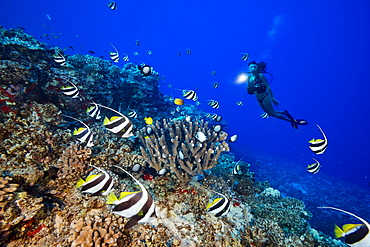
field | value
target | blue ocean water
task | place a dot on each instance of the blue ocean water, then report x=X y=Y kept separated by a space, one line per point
x=316 y=51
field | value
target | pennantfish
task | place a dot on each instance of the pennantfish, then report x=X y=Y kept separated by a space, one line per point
x=59 y=59
x=190 y=94
x=112 y=5
x=96 y=184
x=315 y=167
x=265 y=115
x=214 y=116
x=219 y=206
x=71 y=91
x=84 y=135
x=119 y=125
x=132 y=114
x=126 y=58
x=245 y=56
x=214 y=104
x=93 y=111
x=139 y=206
x=237 y=168
x=318 y=146
x=356 y=235
x=114 y=55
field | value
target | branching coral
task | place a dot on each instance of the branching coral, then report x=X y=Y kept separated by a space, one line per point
x=174 y=146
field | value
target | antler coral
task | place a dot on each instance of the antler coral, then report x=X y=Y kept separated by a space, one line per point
x=173 y=145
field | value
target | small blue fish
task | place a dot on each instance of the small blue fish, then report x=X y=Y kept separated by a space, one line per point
x=215 y=84
x=112 y=5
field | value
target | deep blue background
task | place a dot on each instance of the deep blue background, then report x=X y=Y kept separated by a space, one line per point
x=316 y=50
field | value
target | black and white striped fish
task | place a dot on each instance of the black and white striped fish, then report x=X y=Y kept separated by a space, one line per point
x=215 y=84
x=112 y=5
x=214 y=116
x=84 y=135
x=265 y=115
x=315 y=167
x=219 y=206
x=96 y=184
x=139 y=206
x=137 y=42
x=59 y=59
x=239 y=103
x=188 y=51
x=190 y=94
x=132 y=114
x=237 y=168
x=245 y=56
x=126 y=58
x=119 y=125
x=214 y=104
x=93 y=111
x=71 y=91
x=213 y=72
x=318 y=146
x=114 y=55
x=356 y=235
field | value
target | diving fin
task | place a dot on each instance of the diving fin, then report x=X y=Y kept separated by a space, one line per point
x=291 y=119
x=301 y=121
x=294 y=124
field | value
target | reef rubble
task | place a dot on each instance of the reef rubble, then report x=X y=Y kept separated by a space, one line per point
x=41 y=162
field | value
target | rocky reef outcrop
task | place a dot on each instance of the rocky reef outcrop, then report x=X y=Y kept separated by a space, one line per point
x=41 y=161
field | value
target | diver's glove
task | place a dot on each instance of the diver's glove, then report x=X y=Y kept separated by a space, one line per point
x=275 y=102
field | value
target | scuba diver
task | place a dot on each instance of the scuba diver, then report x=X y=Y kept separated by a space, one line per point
x=259 y=86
